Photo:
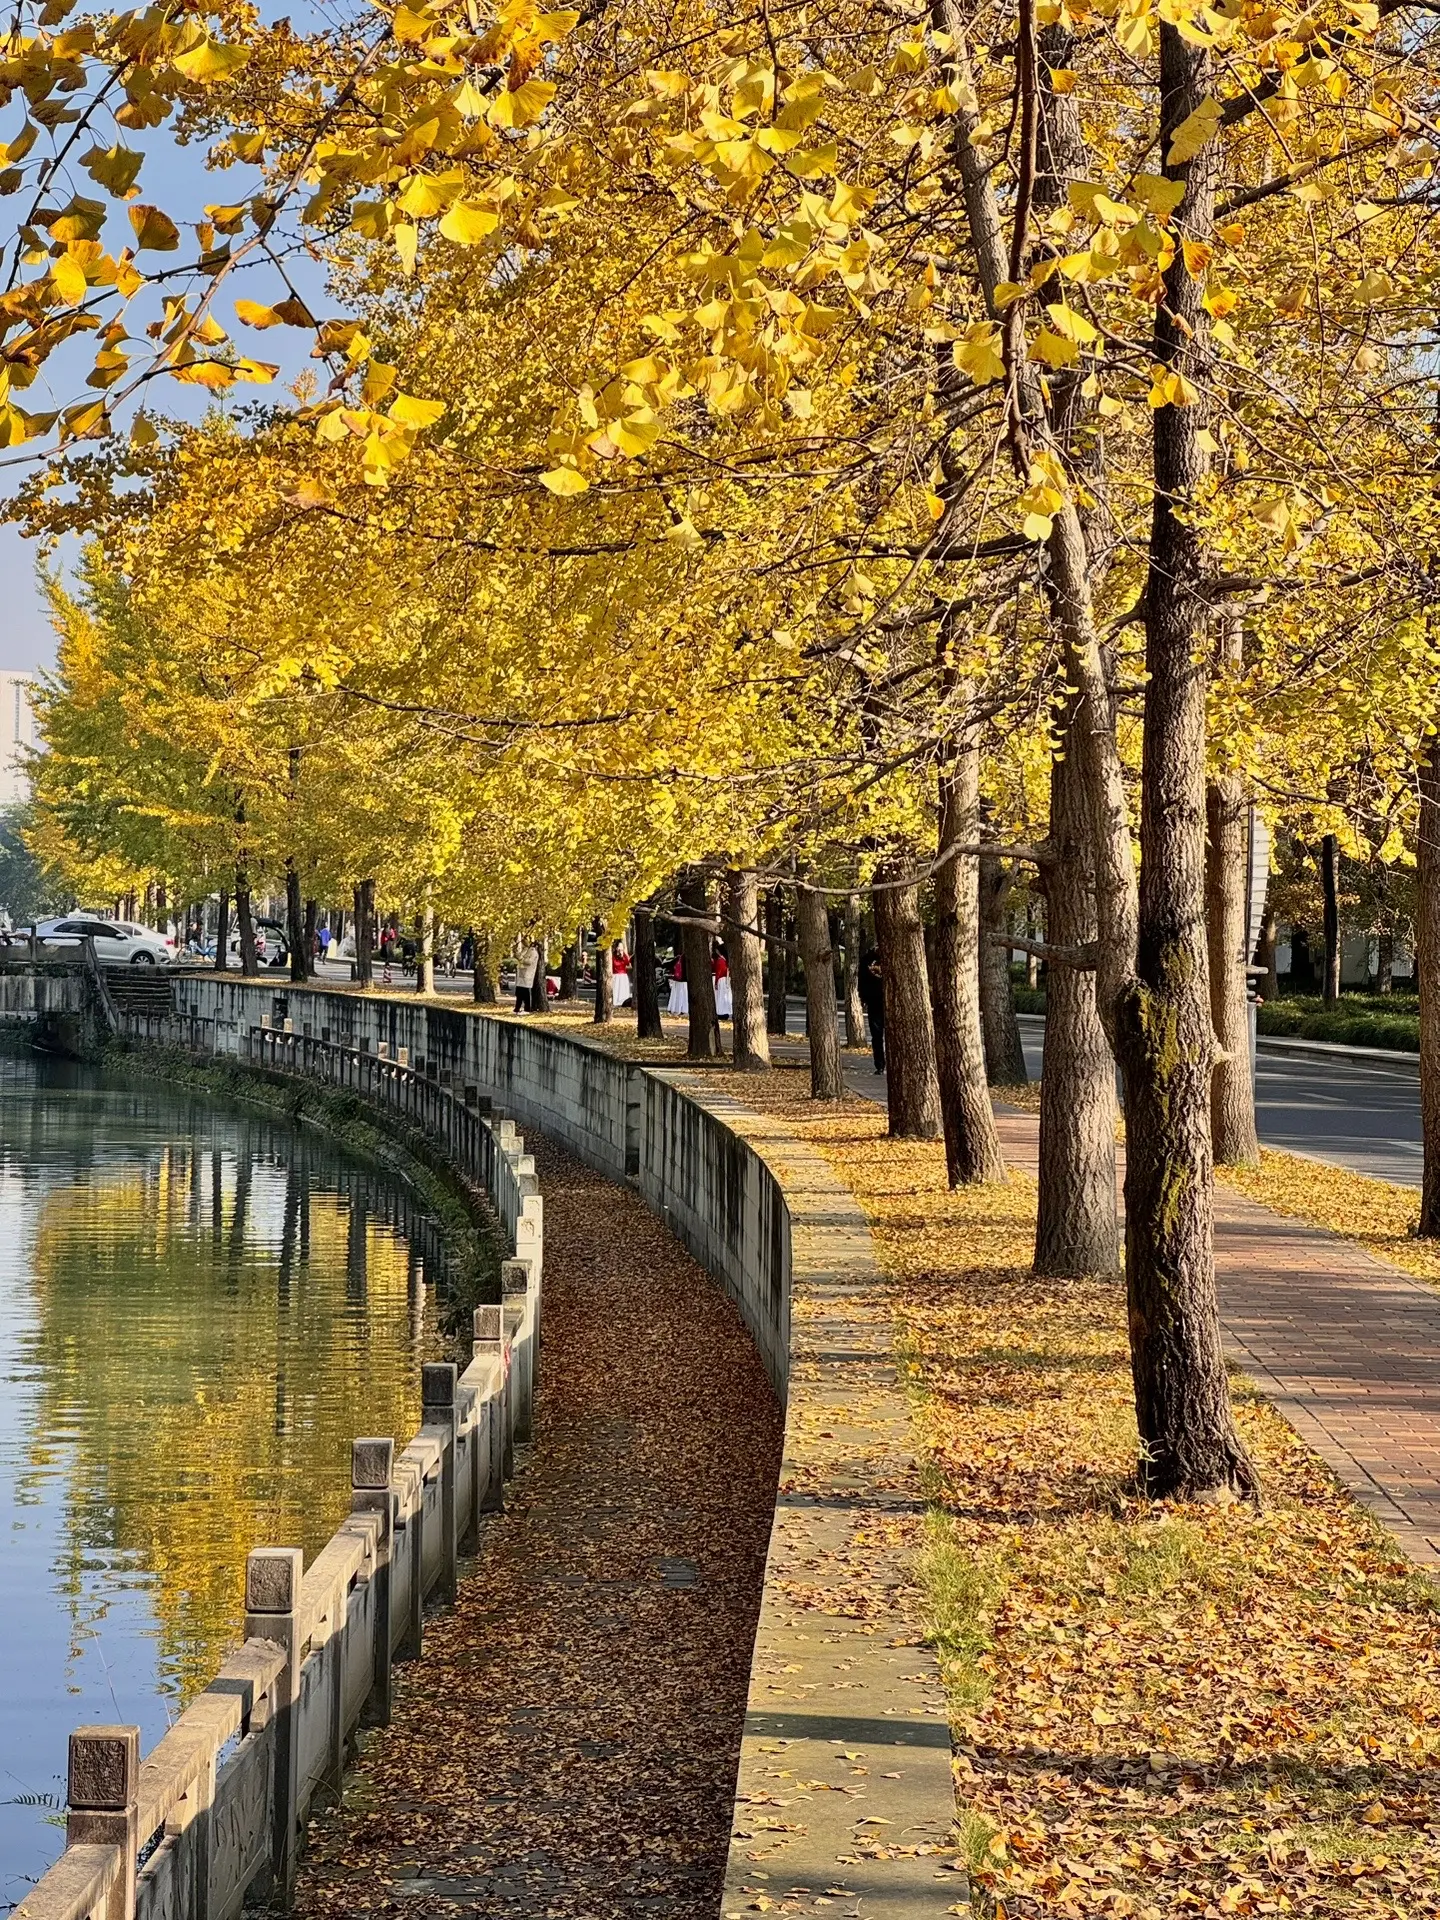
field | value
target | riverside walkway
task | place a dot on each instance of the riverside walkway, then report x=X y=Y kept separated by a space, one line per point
x=568 y=1744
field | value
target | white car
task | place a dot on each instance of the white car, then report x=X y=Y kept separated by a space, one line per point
x=117 y=942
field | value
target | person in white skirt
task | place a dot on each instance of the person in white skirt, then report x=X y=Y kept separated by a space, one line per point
x=679 y=1001
x=620 y=995
x=724 y=1000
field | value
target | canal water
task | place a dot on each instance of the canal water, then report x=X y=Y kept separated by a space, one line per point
x=200 y=1307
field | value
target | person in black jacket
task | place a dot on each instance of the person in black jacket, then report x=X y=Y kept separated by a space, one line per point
x=872 y=998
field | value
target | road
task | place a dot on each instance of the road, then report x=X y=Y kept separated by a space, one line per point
x=1361 y=1114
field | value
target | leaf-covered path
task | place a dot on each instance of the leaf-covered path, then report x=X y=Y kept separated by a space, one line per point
x=567 y=1746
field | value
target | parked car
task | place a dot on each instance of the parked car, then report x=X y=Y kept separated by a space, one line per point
x=117 y=942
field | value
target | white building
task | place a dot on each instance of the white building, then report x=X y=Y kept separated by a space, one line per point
x=17 y=733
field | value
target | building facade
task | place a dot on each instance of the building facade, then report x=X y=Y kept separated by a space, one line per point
x=17 y=736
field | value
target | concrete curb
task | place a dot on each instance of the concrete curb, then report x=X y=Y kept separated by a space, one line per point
x=1336 y=1049
x=1286 y=1043
x=845 y=1793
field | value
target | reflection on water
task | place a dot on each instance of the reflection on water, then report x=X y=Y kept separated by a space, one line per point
x=199 y=1308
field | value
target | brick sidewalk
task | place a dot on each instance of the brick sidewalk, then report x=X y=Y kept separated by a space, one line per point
x=1347 y=1348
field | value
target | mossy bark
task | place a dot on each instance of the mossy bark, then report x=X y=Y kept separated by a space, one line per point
x=911 y=1080
x=1232 y=1095
x=972 y=1144
x=704 y=1041
x=1004 y=1051
x=1164 y=1038
x=813 y=922
x=750 y=1045
x=648 y=1024
x=1077 y=1224
x=1427 y=962
x=604 y=984
x=777 y=962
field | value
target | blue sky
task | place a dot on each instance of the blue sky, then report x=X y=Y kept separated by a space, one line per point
x=177 y=179
x=27 y=640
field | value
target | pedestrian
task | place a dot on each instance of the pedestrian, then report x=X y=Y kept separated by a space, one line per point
x=323 y=939
x=872 y=998
x=527 y=972
x=467 y=951
x=620 y=976
x=679 y=1001
x=720 y=967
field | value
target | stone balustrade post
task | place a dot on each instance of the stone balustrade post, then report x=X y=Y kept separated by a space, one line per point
x=515 y=1279
x=103 y=1791
x=490 y=1339
x=412 y=1496
x=372 y=1472
x=438 y=1380
x=272 y=1599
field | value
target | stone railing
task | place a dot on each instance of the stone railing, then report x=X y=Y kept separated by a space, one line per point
x=214 y=1813
x=838 y=1668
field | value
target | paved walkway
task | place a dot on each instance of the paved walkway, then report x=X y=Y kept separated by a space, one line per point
x=568 y=1744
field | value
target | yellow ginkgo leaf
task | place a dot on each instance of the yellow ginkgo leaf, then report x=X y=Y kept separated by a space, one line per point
x=210 y=61
x=467 y=224
x=68 y=278
x=116 y=168
x=407 y=411
x=154 y=229
x=565 y=481
x=1053 y=349
x=1194 y=132
x=259 y=372
x=522 y=106
x=253 y=314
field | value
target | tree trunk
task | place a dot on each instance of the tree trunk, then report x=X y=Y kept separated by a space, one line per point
x=244 y=920
x=337 y=927
x=813 y=925
x=1385 y=963
x=365 y=933
x=645 y=985
x=1265 y=955
x=312 y=921
x=972 y=1145
x=854 y=1006
x=425 y=950
x=1077 y=1225
x=482 y=988
x=704 y=1043
x=1032 y=960
x=911 y=1082
x=1330 y=885
x=1004 y=1053
x=222 y=934
x=750 y=1044
x=1427 y=969
x=295 y=924
x=777 y=961
x=604 y=983
x=1188 y=1441
x=160 y=906
x=570 y=971
x=1232 y=1089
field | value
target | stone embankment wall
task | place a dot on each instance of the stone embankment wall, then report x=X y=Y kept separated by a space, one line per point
x=212 y=1816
